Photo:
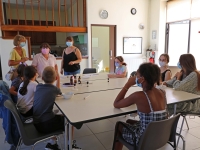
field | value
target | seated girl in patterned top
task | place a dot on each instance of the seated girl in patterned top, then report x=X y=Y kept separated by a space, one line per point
x=121 y=70
x=150 y=101
x=188 y=80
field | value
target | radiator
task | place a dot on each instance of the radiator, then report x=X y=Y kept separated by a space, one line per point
x=133 y=64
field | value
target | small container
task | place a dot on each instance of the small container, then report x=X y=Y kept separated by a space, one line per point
x=68 y=95
x=79 y=80
x=75 y=80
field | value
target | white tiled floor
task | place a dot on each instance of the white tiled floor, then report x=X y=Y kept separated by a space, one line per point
x=99 y=135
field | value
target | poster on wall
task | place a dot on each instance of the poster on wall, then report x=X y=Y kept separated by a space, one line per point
x=132 y=45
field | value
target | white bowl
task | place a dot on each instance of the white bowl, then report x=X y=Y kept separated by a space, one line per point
x=68 y=95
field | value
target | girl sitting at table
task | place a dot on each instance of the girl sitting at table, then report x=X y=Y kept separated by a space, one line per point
x=150 y=101
x=16 y=82
x=26 y=92
x=121 y=70
x=188 y=80
x=165 y=71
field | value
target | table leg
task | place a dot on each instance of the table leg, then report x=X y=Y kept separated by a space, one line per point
x=70 y=136
x=175 y=109
x=66 y=134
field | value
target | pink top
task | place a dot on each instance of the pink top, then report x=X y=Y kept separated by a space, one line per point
x=41 y=62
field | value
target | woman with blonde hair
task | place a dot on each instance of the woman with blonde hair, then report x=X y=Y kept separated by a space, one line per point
x=18 y=53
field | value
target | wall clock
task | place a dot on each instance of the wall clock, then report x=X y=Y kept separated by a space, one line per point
x=133 y=11
x=103 y=14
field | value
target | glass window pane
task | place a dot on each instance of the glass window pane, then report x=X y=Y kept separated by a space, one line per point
x=195 y=41
x=178 y=41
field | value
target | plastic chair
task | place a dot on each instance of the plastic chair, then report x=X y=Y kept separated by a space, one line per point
x=29 y=134
x=133 y=73
x=89 y=70
x=184 y=114
x=156 y=135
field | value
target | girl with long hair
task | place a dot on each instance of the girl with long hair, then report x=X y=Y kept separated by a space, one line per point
x=26 y=91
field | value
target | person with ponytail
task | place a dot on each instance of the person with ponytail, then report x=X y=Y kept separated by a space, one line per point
x=26 y=91
x=121 y=70
x=188 y=80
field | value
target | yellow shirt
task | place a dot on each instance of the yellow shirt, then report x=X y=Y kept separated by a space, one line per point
x=15 y=56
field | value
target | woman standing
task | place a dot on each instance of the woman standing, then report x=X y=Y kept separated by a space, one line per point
x=70 y=59
x=44 y=59
x=18 y=54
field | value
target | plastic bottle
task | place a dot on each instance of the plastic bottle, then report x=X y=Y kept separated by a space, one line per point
x=72 y=80
x=33 y=54
x=79 y=80
x=75 y=80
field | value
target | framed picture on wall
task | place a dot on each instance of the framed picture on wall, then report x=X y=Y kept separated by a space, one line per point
x=132 y=45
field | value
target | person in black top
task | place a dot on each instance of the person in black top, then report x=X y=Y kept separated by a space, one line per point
x=165 y=71
x=70 y=59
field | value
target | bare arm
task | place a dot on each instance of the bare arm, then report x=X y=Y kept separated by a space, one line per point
x=12 y=90
x=61 y=67
x=58 y=79
x=117 y=75
x=120 y=101
x=168 y=75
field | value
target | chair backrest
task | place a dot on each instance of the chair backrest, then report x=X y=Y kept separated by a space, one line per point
x=133 y=73
x=157 y=134
x=11 y=106
x=89 y=70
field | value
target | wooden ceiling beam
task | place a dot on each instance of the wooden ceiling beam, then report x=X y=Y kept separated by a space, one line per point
x=43 y=28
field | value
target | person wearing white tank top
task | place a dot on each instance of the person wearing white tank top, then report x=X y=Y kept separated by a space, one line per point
x=151 y=102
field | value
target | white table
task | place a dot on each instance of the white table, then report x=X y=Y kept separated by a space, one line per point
x=99 y=105
x=95 y=86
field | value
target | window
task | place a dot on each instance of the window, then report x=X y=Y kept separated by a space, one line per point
x=178 y=41
x=183 y=25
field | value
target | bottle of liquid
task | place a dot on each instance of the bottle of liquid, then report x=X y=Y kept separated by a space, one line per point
x=75 y=80
x=33 y=54
x=72 y=80
x=79 y=80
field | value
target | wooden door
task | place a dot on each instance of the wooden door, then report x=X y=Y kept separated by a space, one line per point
x=112 y=50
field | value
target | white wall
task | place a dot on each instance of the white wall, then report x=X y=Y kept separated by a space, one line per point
x=157 y=21
x=119 y=14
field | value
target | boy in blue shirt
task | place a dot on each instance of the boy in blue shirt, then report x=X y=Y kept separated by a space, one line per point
x=44 y=118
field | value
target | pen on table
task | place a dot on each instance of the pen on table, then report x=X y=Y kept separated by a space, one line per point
x=86 y=96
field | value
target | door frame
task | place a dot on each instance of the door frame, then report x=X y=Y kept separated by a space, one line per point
x=115 y=46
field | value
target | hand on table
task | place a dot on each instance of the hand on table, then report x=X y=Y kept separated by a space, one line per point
x=111 y=75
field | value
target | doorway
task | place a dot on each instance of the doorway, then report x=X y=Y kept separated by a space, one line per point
x=103 y=47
